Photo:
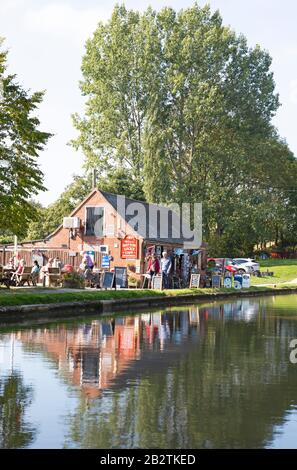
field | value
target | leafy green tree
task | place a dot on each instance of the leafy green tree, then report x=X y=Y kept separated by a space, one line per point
x=118 y=70
x=36 y=228
x=180 y=104
x=209 y=136
x=71 y=197
x=5 y=237
x=20 y=143
x=120 y=181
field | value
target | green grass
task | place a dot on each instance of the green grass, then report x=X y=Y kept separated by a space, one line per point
x=15 y=297
x=284 y=271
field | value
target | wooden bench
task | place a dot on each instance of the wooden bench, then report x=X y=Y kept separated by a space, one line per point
x=54 y=277
x=4 y=279
x=25 y=277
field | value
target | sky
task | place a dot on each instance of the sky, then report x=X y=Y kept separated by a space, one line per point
x=46 y=38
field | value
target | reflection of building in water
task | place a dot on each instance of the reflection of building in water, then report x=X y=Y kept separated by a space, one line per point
x=92 y=355
x=242 y=309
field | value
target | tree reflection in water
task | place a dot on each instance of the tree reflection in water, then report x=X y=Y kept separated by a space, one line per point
x=229 y=389
x=15 y=397
x=203 y=376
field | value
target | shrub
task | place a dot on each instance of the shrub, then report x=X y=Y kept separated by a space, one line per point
x=73 y=280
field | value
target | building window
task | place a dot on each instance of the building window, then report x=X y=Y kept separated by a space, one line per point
x=94 y=221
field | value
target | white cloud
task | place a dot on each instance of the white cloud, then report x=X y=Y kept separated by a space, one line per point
x=65 y=21
x=8 y=5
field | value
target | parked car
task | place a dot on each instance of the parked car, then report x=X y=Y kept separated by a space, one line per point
x=246 y=266
x=221 y=263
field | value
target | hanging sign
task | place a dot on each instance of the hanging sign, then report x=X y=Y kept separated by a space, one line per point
x=129 y=247
x=158 y=249
x=105 y=261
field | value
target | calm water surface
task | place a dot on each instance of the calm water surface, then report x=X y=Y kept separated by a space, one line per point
x=212 y=376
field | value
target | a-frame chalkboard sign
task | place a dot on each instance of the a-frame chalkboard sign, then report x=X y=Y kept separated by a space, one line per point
x=195 y=280
x=120 y=273
x=157 y=282
x=216 y=281
x=107 y=280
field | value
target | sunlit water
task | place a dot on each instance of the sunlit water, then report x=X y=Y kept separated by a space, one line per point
x=205 y=376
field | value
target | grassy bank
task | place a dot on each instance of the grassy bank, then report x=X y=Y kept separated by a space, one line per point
x=285 y=270
x=36 y=296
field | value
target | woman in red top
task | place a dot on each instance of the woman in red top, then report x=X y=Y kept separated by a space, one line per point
x=153 y=266
x=18 y=273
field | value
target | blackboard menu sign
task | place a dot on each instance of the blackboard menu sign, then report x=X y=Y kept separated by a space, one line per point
x=157 y=282
x=120 y=277
x=195 y=280
x=216 y=281
x=107 y=280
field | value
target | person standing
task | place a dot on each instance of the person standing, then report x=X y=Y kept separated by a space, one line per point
x=153 y=267
x=166 y=265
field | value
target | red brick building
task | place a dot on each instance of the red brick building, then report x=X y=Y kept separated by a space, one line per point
x=105 y=224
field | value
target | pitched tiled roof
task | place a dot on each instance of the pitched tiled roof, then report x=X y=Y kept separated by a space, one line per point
x=143 y=219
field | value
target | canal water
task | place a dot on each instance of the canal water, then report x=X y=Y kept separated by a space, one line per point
x=204 y=376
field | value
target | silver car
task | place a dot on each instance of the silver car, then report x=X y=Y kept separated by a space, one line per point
x=246 y=265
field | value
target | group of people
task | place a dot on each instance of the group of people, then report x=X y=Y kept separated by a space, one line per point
x=16 y=268
x=156 y=267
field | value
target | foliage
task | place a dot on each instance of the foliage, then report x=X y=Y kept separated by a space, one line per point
x=71 y=197
x=118 y=71
x=120 y=181
x=15 y=398
x=183 y=106
x=6 y=237
x=74 y=280
x=20 y=143
x=37 y=228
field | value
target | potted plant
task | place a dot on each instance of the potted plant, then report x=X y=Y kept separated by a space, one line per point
x=73 y=281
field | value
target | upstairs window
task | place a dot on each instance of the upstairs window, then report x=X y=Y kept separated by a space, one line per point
x=94 y=221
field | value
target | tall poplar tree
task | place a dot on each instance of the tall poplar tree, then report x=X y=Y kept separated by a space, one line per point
x=185 y=106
